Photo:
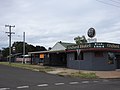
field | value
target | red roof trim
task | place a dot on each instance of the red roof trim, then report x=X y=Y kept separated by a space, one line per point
x=96 y=49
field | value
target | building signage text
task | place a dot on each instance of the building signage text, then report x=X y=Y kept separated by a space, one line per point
x=95 y=45
x=113 y=46
x=79 y=46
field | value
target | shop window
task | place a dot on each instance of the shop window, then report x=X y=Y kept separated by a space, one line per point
x=111 y=58
x=98 y=54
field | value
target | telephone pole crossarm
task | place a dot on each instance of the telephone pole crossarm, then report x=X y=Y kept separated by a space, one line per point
x=9 y=34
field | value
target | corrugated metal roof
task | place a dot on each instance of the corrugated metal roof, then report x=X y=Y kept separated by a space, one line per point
x=66 y=44
x=46 y=52
x=56 y=48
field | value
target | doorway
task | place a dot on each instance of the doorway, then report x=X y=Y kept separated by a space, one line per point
x=117 y=61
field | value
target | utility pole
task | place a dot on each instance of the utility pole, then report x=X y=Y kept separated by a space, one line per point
x=23 y=47
x=9 y=35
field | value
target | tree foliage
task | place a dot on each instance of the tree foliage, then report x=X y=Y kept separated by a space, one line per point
x=5 y=52
x=80 y=40
x=19 y=48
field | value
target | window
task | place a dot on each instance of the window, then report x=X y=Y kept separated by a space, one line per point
x=80 y=56
x=36 y=55
x=75 y=54
x=98 y=54
x=41 y=56
x=111 y=58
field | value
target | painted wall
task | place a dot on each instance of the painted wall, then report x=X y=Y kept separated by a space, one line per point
x=85 y=64
x=90 y=62
x=71 y=62
x=57 y=46
x=101 y=63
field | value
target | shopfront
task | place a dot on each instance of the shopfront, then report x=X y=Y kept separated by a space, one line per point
x=88 y=56
x=94 y=56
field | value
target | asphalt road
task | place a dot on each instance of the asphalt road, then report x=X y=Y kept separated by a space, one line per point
x=20 y=79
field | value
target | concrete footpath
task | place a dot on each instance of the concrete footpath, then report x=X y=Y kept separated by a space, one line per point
x=106 y=74
x=100 y=74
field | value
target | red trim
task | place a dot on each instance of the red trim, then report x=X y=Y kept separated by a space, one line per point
x=96 y=49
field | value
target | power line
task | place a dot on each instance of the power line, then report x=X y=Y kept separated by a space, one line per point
x=115 y=1
x=3 y=37
x=1 y=31
x=108 y=3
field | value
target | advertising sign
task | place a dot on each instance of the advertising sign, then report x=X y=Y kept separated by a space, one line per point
x=91 y=32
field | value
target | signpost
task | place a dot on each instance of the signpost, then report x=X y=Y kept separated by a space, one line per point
x=78 y=54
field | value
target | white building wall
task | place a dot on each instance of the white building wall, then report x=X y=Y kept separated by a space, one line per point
x=57 y=46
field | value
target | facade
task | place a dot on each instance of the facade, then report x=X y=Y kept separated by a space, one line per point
x=94 y=56
x=89 y=56
x=57 y=56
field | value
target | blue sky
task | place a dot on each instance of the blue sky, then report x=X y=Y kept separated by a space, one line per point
x=46 y=22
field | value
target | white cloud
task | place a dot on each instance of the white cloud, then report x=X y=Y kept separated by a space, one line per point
x=48 y=21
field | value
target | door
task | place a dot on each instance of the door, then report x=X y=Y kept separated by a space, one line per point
x=118 y=61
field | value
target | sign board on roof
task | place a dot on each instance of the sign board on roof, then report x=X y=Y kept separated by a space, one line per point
x=82 y=46
x=91 y=32
x=94 y=45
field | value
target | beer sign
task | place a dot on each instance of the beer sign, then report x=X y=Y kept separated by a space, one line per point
x=91 y=32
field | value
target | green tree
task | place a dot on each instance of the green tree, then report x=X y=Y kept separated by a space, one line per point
x=19 y=48
x=42 y=48
x=29 y=48
x=5 y=52
x=80 y=40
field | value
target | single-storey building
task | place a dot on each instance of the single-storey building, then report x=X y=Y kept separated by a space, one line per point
x=57 y=56
x=94 y=56
x=88 y=56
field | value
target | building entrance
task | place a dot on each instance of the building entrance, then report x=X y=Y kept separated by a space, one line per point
x=118 y=61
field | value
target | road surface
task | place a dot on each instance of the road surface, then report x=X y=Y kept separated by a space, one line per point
x=19 y=79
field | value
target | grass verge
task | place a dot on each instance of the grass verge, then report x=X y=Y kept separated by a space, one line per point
x=84 y=75
x=48 y=69
x=28 y=66
x=79 y=75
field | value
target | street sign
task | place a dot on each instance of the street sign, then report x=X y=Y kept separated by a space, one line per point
x=78 y=51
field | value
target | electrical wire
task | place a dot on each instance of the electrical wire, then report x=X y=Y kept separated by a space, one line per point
x=115 y=1
x=108 y=3
x=3 y=37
